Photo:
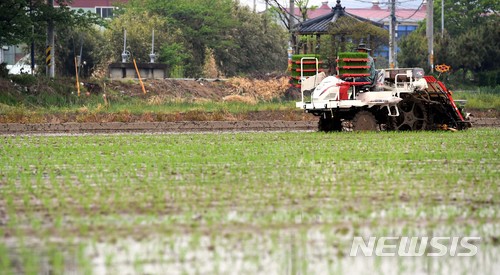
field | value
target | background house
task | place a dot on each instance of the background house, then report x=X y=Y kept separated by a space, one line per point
x=12 y=54
x=102 y=7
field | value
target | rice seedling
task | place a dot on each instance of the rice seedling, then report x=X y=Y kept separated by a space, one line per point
x=243 y=202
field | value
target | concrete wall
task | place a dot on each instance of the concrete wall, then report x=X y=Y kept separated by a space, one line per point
x=147 y=70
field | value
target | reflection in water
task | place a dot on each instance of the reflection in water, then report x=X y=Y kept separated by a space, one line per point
x=290 y=251
x=294 y=250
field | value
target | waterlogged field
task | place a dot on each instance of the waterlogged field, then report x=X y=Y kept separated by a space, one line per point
x=247 y=203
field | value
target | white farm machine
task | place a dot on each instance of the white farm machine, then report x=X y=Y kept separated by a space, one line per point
x=398 y=99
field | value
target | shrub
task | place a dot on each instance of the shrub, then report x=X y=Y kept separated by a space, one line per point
x=25 y=80
x=4 y=73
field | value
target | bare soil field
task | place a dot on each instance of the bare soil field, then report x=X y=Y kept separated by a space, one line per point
x=176 y=127
x=180 y=126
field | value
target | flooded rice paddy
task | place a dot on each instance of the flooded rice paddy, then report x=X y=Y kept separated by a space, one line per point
x=247 y=203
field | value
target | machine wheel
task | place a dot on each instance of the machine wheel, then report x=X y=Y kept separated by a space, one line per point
x=412 y=116
x=337 y=125
x=364 y=121
x=329 y=124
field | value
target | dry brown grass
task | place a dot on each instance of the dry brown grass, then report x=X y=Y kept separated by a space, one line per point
x=22 y=118
x=123 y=116
x=84 y=110
x=148 y=117
x=210 y=69
x=239 y=98
x=261 y=90
x=156 y=100
x=89 y=117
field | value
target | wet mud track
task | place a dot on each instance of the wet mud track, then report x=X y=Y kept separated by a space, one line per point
x=156 y=127
x=178 y=127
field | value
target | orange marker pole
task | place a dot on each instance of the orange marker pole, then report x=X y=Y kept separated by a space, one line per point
x=140 y=79
x=77 y=82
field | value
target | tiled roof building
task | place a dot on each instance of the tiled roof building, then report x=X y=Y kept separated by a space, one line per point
x=376 y=13
x=327 y=16
x=319 y=18
x=407 y=18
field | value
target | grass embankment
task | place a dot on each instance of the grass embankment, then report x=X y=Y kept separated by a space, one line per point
x=484 y=98
x=43 y=101
x=137 y=110
x=246 y=203
x=169 y=100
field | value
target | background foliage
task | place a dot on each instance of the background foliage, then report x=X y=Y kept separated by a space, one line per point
x=22 y=21
x=241 y=41
x=469 y=44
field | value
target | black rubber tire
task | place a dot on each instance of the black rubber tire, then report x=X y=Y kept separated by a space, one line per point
x=329 y=124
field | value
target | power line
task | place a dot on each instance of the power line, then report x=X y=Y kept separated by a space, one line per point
x=388 y=3
x=414 y=12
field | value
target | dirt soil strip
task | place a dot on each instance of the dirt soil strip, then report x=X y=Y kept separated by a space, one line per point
x=180 y=127
x=176 y=127
x=486 y=122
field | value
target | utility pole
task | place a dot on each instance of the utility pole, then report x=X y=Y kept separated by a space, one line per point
x=32 y=50
x=442 y=18
x=50 y=51
x=265 y=17
x=430 y=32
x=392 y=34
x=291 y=22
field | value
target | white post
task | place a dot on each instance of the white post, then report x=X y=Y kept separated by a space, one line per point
x=430 y=33
x=153 y=42
x=152 y=56
x=392 y=34
x=124 y=53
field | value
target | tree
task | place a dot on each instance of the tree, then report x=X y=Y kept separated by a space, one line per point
x=259 y=46
x=241 y=41
x=82 y=42
x=22 y=21
x=15 y=21
x=139 y=26
x=278 y=10
x=346 y=34
x=25 y=22
x=476 y=50
x=469 y=43
x=462 y=15
x=413 y=49
x=489 y=34
x=353 y=31
x=203 y=24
